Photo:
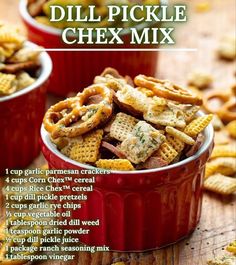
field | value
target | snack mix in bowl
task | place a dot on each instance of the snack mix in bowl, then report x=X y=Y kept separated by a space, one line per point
x=24 y=76
x=18 y=63
x=123 y=124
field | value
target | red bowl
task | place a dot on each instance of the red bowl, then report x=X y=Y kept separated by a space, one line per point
x=21 y=116
x=139 y=210
x=72 y=71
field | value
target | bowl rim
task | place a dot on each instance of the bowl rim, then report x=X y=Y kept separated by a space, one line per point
x=46 y=69
x=55 y=31
x=208 y=133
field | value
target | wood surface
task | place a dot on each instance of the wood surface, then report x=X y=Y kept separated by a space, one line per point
x=217 y=226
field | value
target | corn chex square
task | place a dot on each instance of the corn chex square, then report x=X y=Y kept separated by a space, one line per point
x=65 y=144
x=122 y=126
x=7 y=83
x=24 y=80
x=166 y=152
x=198 y=125
x=114 y=164
x=177 y=144
x=10 y=34
x=87 y=150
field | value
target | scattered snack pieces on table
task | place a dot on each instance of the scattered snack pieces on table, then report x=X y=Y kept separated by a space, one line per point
x=214 y=100
x=200 y=79
x=222 y=165
x=224 y=260
x=222 y=103
x=231 y=128
x=221 y=168
x=128 y=128
x=224 y=151
x=227 y=47
x=222 y=137
x=18 y=63
x=217 y=123
x=233 y=89
x=203 y=6
x=220 y=184
x=232 y=247
x=228 y=111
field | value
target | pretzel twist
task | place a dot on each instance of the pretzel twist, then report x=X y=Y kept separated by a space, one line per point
x=222 y=97
x=166 y=89
x=55 y=117
x=72 y=117
x=228 y=111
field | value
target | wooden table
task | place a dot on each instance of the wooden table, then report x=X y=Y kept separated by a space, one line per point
x=217 y=226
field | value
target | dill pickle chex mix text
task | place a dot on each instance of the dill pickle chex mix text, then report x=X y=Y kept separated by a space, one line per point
x=112 y=33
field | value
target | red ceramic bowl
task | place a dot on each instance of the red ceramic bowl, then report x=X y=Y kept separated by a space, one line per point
x=139 y=210
x=20 y=119
x=72 y=71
